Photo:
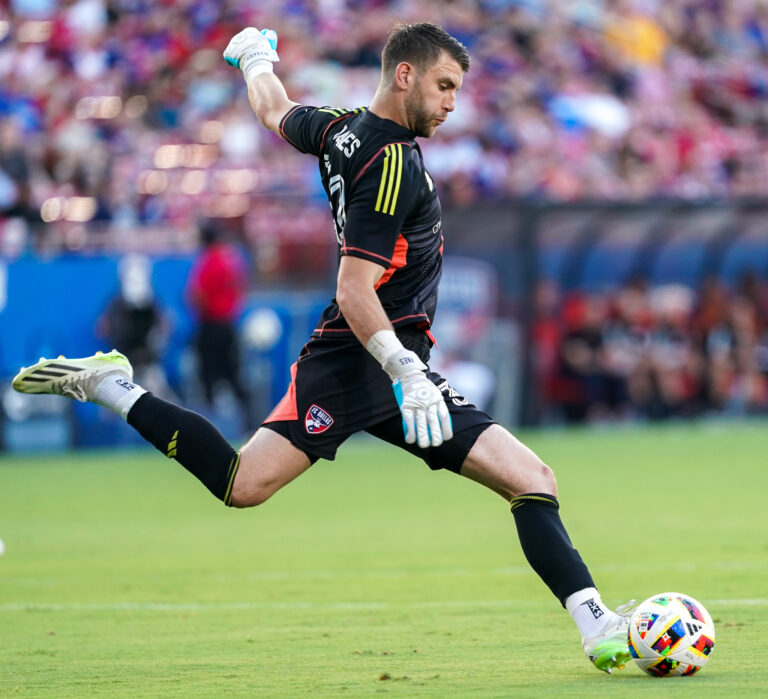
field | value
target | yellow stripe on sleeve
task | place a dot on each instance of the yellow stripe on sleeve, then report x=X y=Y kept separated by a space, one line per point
x=398 y=178
x=390 y=182
x=391 y=177
x=383 y=179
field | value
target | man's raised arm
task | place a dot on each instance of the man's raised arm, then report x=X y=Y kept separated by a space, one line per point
x=254 y=52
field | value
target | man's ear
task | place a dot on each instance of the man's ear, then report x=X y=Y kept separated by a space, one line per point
x=404 y=75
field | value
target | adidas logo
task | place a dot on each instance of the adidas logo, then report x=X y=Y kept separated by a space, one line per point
x=171 y=452
x=51 y=371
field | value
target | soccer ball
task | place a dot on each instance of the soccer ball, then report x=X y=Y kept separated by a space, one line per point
x=671 y=634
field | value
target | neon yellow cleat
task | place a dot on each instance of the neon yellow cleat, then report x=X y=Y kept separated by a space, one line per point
x=75 y=378
x=610 y=648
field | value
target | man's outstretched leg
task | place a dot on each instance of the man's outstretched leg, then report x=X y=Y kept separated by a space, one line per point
x=503 y=464
x=239 y=478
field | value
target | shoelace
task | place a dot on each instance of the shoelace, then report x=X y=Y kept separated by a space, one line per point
x=73 y=388
x=626 y=609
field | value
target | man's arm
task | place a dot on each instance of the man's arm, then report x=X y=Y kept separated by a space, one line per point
x=254 y=52
x=269 y=100
x=357 y=299
x=426 y=419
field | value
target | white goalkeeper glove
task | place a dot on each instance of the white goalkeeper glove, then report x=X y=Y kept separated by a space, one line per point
x=252 y=51
x=426 y=420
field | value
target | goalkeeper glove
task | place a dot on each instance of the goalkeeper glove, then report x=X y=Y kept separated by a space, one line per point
x=252 y=51
x=426 y=420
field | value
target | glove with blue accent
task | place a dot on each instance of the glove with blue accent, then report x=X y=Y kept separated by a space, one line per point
x=426 y=420
x=252 y=51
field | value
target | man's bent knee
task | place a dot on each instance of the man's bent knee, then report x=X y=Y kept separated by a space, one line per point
x=267 y=462
x=250 y=496
x=547 y=480
x=501 y=462
x=530 y=476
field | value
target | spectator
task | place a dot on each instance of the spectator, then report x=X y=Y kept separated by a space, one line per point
x=658 y=352
x=216 y=288
x=15 y=192
x=134 y=323
x=598 y=99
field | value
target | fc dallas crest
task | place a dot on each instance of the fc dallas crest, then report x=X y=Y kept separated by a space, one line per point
x=317 y=420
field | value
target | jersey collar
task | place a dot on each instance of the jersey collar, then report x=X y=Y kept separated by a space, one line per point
x=391 y=127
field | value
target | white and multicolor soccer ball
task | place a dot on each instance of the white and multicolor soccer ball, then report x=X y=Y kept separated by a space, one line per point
x=671 y=634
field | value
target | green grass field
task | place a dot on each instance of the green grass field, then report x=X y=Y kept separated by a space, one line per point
x=370 y=575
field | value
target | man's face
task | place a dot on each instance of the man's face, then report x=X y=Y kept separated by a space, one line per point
x=433 y=95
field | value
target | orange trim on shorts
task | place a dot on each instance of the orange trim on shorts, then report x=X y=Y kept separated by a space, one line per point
x=286 y=409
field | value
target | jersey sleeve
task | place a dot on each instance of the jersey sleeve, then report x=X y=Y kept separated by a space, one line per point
x=381 y=198
x=305 y=127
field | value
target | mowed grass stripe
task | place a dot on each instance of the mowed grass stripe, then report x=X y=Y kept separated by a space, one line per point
x=234 y=606
x=359 y=573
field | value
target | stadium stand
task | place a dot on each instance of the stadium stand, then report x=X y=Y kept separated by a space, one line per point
x=134 y=112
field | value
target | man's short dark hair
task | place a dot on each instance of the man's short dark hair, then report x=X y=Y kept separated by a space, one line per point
x=420 y=44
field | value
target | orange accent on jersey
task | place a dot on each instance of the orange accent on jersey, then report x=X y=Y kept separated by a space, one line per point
x=347 y=248
x=286 y=409
x=330 y=320
x=394 y=321
x=398 y=260
x=378 y=153
x=330 y=124
x=282 y=125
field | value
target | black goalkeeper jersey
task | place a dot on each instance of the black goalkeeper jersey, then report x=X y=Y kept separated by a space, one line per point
x=384 y=206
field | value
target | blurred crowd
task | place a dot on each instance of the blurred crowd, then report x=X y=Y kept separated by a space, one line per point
x=119 y=119
x=122 y=112
x=651 y=353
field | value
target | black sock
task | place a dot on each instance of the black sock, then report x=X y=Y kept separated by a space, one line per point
x=547 y=547
x=190 y=439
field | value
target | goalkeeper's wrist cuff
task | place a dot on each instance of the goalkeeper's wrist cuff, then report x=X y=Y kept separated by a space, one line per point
x=383 y=344
x=256 y=68
x=393 y=357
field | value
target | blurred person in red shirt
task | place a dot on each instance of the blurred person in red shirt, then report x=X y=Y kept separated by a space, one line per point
x=216 y=289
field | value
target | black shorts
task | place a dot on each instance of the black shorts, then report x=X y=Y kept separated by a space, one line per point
x=338 y=389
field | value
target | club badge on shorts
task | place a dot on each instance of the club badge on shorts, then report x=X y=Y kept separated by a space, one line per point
x=317 y=420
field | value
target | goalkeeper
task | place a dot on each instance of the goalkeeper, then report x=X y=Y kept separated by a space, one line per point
x=365 y=366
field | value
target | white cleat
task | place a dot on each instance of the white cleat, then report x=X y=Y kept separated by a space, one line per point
x=75 y=378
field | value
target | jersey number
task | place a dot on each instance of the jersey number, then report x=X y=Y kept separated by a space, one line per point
x=338 y=203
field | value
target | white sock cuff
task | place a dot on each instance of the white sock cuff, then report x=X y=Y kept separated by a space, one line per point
x=124 y=405
x=116 y=392
x=577 y=598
